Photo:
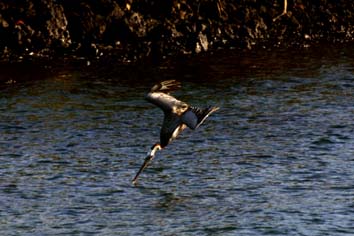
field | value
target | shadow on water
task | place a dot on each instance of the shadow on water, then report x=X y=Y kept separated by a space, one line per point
x=276 y=159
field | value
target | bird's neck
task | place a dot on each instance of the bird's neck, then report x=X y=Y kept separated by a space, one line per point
x=155 y=148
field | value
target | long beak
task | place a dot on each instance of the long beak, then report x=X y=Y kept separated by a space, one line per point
x=145 y=164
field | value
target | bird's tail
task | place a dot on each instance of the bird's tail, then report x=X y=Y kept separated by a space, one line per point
x=203 y=113
x=166 y=86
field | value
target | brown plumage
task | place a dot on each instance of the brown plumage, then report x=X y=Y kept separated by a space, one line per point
x=177 y=116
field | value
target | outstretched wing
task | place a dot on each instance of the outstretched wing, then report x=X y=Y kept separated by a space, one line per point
x=159 y=96
x=195 y=116
x=170 y=129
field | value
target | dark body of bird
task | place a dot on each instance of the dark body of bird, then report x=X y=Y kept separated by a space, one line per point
x=177 y=116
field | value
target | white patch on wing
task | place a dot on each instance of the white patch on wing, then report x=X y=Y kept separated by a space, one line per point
x=175 y=133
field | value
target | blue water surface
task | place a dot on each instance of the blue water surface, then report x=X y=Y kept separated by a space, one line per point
x=276 y=159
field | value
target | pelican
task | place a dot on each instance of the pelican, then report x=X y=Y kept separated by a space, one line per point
x=177 y=116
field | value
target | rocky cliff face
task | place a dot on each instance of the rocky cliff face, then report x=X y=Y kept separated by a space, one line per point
x=154 y=29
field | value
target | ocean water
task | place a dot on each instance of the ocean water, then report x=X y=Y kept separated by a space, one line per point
x=276 y=159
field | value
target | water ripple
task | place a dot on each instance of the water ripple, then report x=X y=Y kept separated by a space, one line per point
x=276 y=159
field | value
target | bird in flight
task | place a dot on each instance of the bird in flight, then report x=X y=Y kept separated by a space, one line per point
x=177 y=116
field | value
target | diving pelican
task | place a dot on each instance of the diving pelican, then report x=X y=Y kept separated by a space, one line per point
x=177 y=116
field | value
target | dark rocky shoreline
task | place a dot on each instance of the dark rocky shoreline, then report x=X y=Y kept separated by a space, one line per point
x=151 y=30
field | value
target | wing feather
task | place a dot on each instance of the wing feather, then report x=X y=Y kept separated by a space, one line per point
x=195 y=116
x=170 y=129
